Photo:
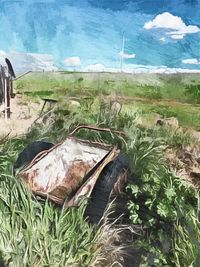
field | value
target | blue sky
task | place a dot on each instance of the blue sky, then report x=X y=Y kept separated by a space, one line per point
x=86 y=33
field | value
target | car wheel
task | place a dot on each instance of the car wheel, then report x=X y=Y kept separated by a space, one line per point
x=29 y=153
x=104 y=187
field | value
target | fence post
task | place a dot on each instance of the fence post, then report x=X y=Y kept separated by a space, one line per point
x=8 y=95
x=6 y=99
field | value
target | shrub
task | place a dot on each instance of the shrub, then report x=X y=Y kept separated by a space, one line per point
x=164 y=111
x=151 y=92
x=36 y=233
x=193 y=91
x=161 y=203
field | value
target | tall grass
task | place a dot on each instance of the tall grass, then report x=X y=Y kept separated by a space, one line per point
x=166 y=206
x=37 y=233
x=149 y=88
x=146 y=85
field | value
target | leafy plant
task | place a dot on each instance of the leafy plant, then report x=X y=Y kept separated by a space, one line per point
x=164 y=111
x=193 y=91
x=173 y=138
x=37 y=233
x=158 y=200
x=150 y=92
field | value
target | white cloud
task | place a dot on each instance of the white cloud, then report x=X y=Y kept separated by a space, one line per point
x=96 y=68
x=135 y=68
x=162 y=39
x=168 y=21
x=193 y=61
x=72 y=61
x=2 y=53
x=28 y=61
x=177 y=36
x=124 y=55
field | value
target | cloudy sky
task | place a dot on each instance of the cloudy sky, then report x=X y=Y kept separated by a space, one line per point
x=87 y=34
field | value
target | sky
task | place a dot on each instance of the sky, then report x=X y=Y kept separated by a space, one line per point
x=88 y=34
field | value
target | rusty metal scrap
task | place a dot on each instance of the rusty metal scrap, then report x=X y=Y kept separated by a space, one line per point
x=86 y=188
x=61 y=172
x=120 y=133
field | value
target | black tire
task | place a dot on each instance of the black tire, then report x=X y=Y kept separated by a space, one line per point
x=101 y=193
x=29 y=153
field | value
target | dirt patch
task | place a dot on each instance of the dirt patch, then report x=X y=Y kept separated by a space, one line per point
x=23 y=115
x=194 y=133
x=117 y=248
x=165 y=102
x=185 y=163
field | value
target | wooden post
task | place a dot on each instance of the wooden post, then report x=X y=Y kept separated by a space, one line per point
x=8 y=88
x=11 y=88
x=6 y=99
x=1 y=89
x=3 y=82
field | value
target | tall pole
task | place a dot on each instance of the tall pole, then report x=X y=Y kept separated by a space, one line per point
x=9 y=91
x=6 y=98
x=122 y=54
x=7 y=84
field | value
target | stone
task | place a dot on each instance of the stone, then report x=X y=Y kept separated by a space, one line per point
x=171 y=122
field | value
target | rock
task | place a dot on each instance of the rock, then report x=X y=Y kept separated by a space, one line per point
x=171 y=122
x=74 y=103
x=115 y=108
x=195 y=134
x=24 y=116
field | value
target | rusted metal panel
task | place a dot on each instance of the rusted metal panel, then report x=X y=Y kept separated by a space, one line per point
x=59 y=172
x=86 y=188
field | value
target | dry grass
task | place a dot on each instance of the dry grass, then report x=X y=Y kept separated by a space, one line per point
x=185 y=162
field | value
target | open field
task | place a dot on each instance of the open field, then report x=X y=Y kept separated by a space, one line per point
x=172 y=85
x=152 y=93
x=161 y=202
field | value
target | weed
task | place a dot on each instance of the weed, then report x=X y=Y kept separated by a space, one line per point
x=150 y=92
x=37 y=233
x=193 y=91
x=158 y=200
x=164 y=111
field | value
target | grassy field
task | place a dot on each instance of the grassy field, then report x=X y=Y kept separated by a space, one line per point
x=152 y=93
x=161 y=204
x=161 y=86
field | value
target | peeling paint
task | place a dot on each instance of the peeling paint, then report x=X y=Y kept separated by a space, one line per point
x=60 y=172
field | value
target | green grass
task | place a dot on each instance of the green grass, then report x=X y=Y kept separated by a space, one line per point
x=37 y=233
x=164 y=206
x=165 y=94
x=187 y=115
x=169 y=86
